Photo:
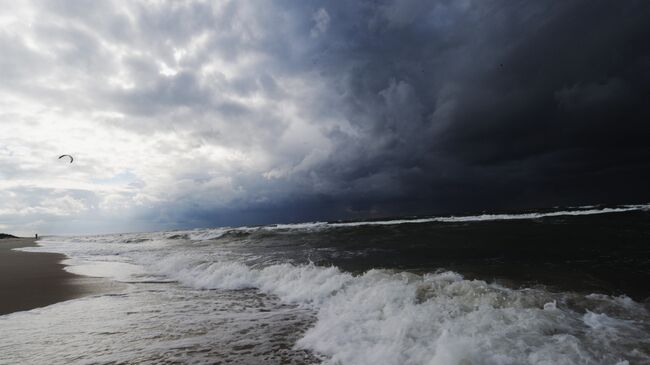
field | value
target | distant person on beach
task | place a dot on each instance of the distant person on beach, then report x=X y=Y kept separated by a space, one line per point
x=36 y=236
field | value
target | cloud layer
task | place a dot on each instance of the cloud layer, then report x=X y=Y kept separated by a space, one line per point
x=185 y=114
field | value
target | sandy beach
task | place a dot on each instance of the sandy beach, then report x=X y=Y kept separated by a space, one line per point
x=31 y=280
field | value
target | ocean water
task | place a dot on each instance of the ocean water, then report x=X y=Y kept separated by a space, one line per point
x=569 y=286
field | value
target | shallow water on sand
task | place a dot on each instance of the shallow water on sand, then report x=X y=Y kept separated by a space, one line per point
x=563 y=287
x=152 y=323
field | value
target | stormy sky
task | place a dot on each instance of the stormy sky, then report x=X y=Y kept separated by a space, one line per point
x=207 y=113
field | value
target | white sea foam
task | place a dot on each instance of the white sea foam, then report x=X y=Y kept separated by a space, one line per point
x=387 y=317
x=400 y=318
x=118 y=271
x=306 y=225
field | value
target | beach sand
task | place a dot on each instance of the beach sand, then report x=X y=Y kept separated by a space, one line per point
x=30 y=280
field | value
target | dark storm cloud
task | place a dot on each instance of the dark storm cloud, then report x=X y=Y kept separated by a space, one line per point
x=455 y=105
x=240 y=112
x=490 y=104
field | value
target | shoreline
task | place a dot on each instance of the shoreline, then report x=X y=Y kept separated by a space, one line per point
x=30 y=280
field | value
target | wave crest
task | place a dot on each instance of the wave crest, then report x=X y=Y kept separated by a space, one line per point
x=391 y=317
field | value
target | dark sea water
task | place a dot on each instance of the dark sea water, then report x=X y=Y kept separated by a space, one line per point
x=569 y=286
x=607 y=253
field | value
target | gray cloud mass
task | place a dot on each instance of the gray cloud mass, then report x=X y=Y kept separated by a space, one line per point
x=200 y=113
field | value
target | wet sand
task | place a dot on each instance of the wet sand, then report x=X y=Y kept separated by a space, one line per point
x=31 y=280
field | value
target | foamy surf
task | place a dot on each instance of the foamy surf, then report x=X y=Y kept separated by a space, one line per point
x=373 y=316
x=400 y=318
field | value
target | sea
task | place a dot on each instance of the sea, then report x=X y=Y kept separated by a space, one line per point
x=559 y=286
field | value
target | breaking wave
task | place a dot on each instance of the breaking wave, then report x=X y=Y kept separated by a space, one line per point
x=440 y=318
x=315 y=226
x=386 y=316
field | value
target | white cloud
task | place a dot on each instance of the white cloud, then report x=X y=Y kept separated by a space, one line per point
x=186 y=99
x=321 y=22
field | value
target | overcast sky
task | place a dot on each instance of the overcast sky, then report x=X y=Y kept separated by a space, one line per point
x=208 y=113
